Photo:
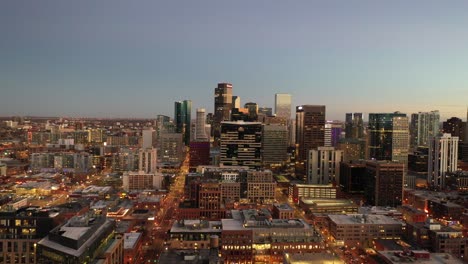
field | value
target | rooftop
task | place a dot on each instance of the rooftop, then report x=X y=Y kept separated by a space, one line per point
x=327 y=202
x=371 y=219
x=311 y=258
x=188 y=226
x=432 y=258
x=131 y=239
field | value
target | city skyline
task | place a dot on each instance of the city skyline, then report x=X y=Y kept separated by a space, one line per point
x=110 y=59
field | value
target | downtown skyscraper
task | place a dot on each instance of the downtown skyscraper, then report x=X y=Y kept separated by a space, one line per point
x=182 y=118
x=222 y=108
x=310 y=129
x=283 y=106
x=443 y=158
x=388 y=137
x=354 y=126
x=424 y=125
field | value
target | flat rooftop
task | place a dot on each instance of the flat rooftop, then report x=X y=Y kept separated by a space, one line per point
x=361 y=219
x=197 y=226
x=435 y=258
x=130 y=240
x=311 y=258
x=327 y=202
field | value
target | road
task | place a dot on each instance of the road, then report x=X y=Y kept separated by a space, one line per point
x=167 y=215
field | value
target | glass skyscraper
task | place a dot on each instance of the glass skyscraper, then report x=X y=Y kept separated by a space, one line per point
x=182 y=118
x=388 y=136
x=283 y=105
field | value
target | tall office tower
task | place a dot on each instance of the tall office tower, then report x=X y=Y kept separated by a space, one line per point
x=147 y=160
x=310 y=128
x=222 y=108
x=384 y=183
x=241 y=144
x=443 y=158
x=332 y=133
x=200 y=132
x=252 y=109
x=236 y=101
x=292 y=132
x=283 y=105
x=455 y=126
x=95 y=135
x=424 y=125
x=354 y=125
x=353 y=177
x=147 y=135
x=171 y=148
x=324 y=165
x=267 y=111
x=182 y=118
x=275 y=144
x=353 y=149
x=199 y=153
x=388 y=137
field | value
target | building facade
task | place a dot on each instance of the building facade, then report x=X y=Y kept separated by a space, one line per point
x=241 y=144
x=443 y=158
x=182 y=118
x=310 y=129
x=324 y=165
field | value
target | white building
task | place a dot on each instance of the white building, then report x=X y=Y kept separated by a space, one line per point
x=200 y=131
x=443 y=158
x=147 y=135
x=324 y=165
x=147 y=160
x=139 y=181
x=424 y=126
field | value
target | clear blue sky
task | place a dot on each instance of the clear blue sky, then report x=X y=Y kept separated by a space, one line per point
x=135 y=58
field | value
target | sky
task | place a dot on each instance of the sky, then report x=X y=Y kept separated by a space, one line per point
x=113 y=58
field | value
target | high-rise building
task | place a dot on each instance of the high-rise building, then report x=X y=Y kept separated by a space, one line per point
x=252 y=109
x=353 y=149
x=182 y=118
x=147 y=160
x=354 y=125
x=353 y=177
x=456 y=127
x=275 y=144
x=310 y=128
x=388 y=137
x=241 y=144
x=424 y=125
x=236 y=101
x=199 y=153
x=443 y=158
x=283 y=106
x=324 y=165
x=332 y=133
x=171 y=148
x=147 y=136
x=200 y=130
x=384 y=183
x=267 y=111
x=222 y=107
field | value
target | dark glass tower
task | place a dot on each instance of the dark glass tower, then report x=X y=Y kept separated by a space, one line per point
x=388 y=136
x=182 y=117
x=310 y=128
